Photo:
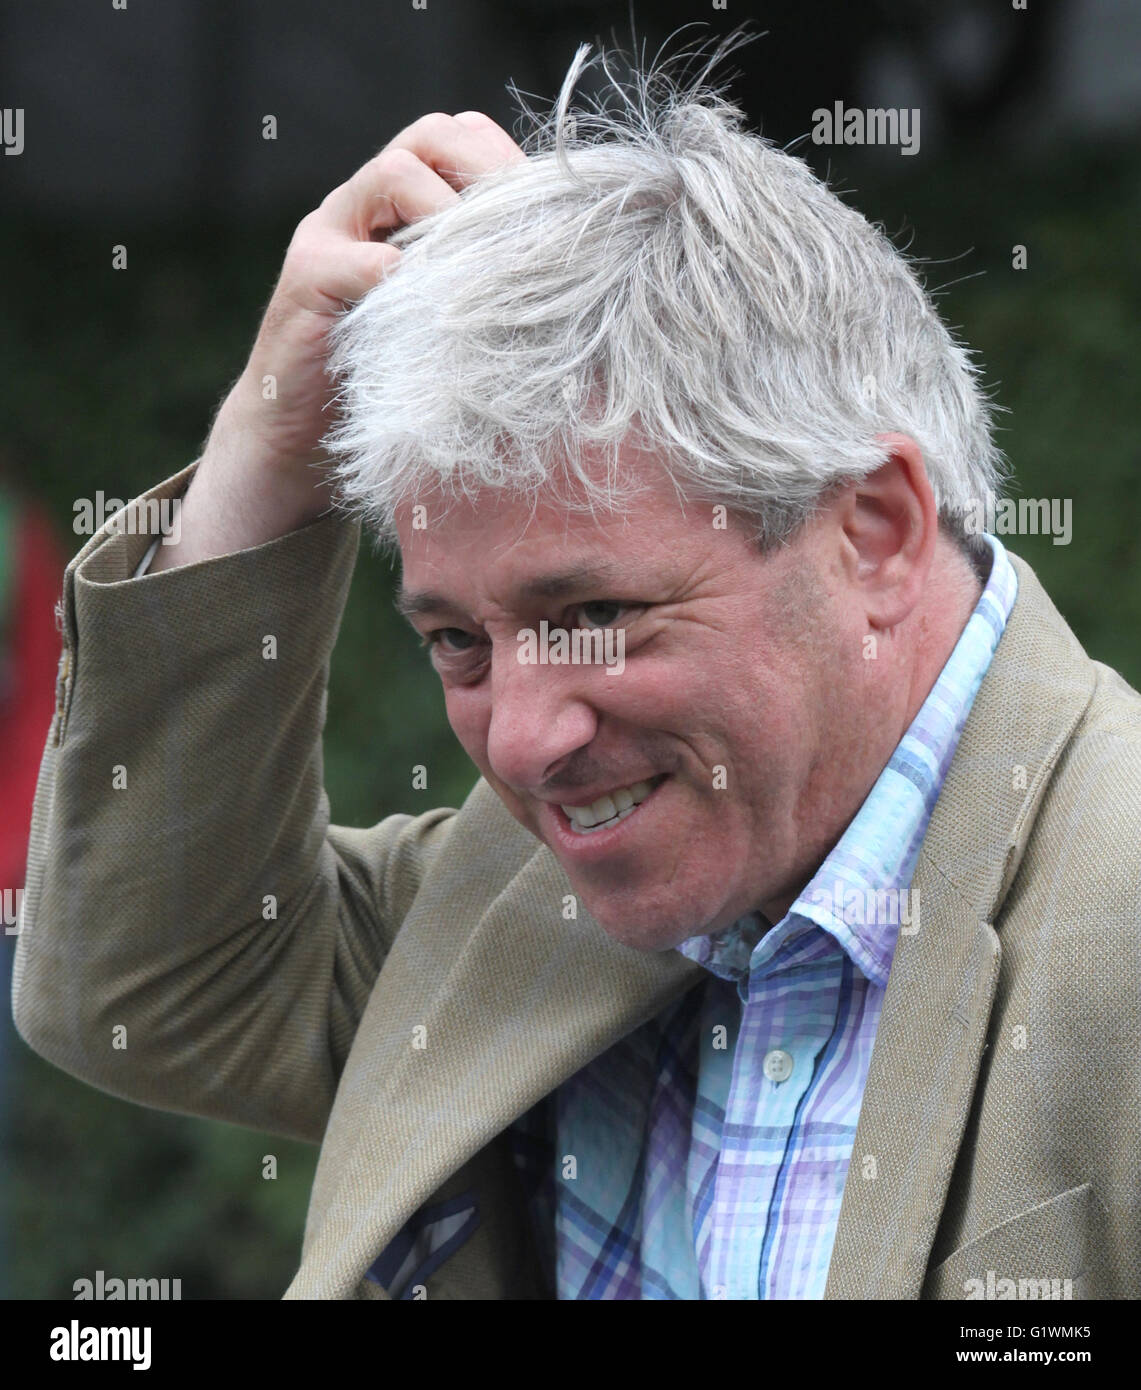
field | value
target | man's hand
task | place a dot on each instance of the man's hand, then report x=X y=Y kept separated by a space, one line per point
x=259 y=475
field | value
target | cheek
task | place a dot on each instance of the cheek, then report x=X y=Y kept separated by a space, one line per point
x=469 y=714
x=760 y=730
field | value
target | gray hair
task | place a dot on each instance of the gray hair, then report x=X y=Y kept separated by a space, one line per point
x=652 y=275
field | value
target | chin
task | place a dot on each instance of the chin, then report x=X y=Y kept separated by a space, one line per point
x=649 y=938
x=664 y=915
x=643 y=927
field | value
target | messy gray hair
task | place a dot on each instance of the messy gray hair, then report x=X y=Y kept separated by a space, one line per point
x=652 y=275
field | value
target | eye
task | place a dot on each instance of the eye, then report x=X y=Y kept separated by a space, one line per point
x=451 y=640
x=603 y=612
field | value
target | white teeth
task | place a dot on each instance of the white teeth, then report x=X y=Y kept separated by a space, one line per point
x=607 y=810
x=580 y=829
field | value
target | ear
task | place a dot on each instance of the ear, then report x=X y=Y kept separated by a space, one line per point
x=888 y=526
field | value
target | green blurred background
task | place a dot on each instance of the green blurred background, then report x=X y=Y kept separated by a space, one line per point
x=110 y=381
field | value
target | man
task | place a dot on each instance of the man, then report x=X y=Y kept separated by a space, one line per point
x=786 y=946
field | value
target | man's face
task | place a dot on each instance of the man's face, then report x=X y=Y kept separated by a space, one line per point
x=729 y=705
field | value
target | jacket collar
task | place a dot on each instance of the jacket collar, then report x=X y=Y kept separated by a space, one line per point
x=932 y=1031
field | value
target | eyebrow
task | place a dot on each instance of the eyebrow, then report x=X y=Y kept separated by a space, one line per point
x=558 y=584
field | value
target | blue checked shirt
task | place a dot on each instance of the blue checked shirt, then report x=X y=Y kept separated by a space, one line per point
x=705 y=1155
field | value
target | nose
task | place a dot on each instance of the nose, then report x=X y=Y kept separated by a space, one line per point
x=540 y=715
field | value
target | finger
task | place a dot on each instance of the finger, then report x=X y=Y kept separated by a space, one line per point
x=478 y=121
x=392 y=189
x=459 y=151
x=327 y=266
x=359 y=266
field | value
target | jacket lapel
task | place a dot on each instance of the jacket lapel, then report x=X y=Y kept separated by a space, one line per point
x=926 y=1057
x=461 y=1036
x=932 y=1032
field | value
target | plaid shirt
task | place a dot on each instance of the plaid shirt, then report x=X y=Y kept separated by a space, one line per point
x=705 y=1155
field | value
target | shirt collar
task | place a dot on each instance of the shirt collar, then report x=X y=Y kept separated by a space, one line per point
x=860 y=894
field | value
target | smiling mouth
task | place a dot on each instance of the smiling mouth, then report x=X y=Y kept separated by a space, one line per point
x=607 y=811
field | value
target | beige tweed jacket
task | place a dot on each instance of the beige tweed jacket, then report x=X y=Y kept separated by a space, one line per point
x=419 y=988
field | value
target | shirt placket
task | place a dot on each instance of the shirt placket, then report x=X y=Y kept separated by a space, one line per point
x=788 y=1015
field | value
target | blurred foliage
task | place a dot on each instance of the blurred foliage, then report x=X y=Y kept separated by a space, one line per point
x=111 y=379
x=1061 y=344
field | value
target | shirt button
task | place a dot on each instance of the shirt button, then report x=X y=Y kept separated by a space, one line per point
x=778 y=1065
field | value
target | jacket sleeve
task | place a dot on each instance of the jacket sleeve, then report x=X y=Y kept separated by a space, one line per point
x=194 y=934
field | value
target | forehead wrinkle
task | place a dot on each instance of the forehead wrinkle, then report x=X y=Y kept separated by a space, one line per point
x=554 y=585
x=571 y=580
